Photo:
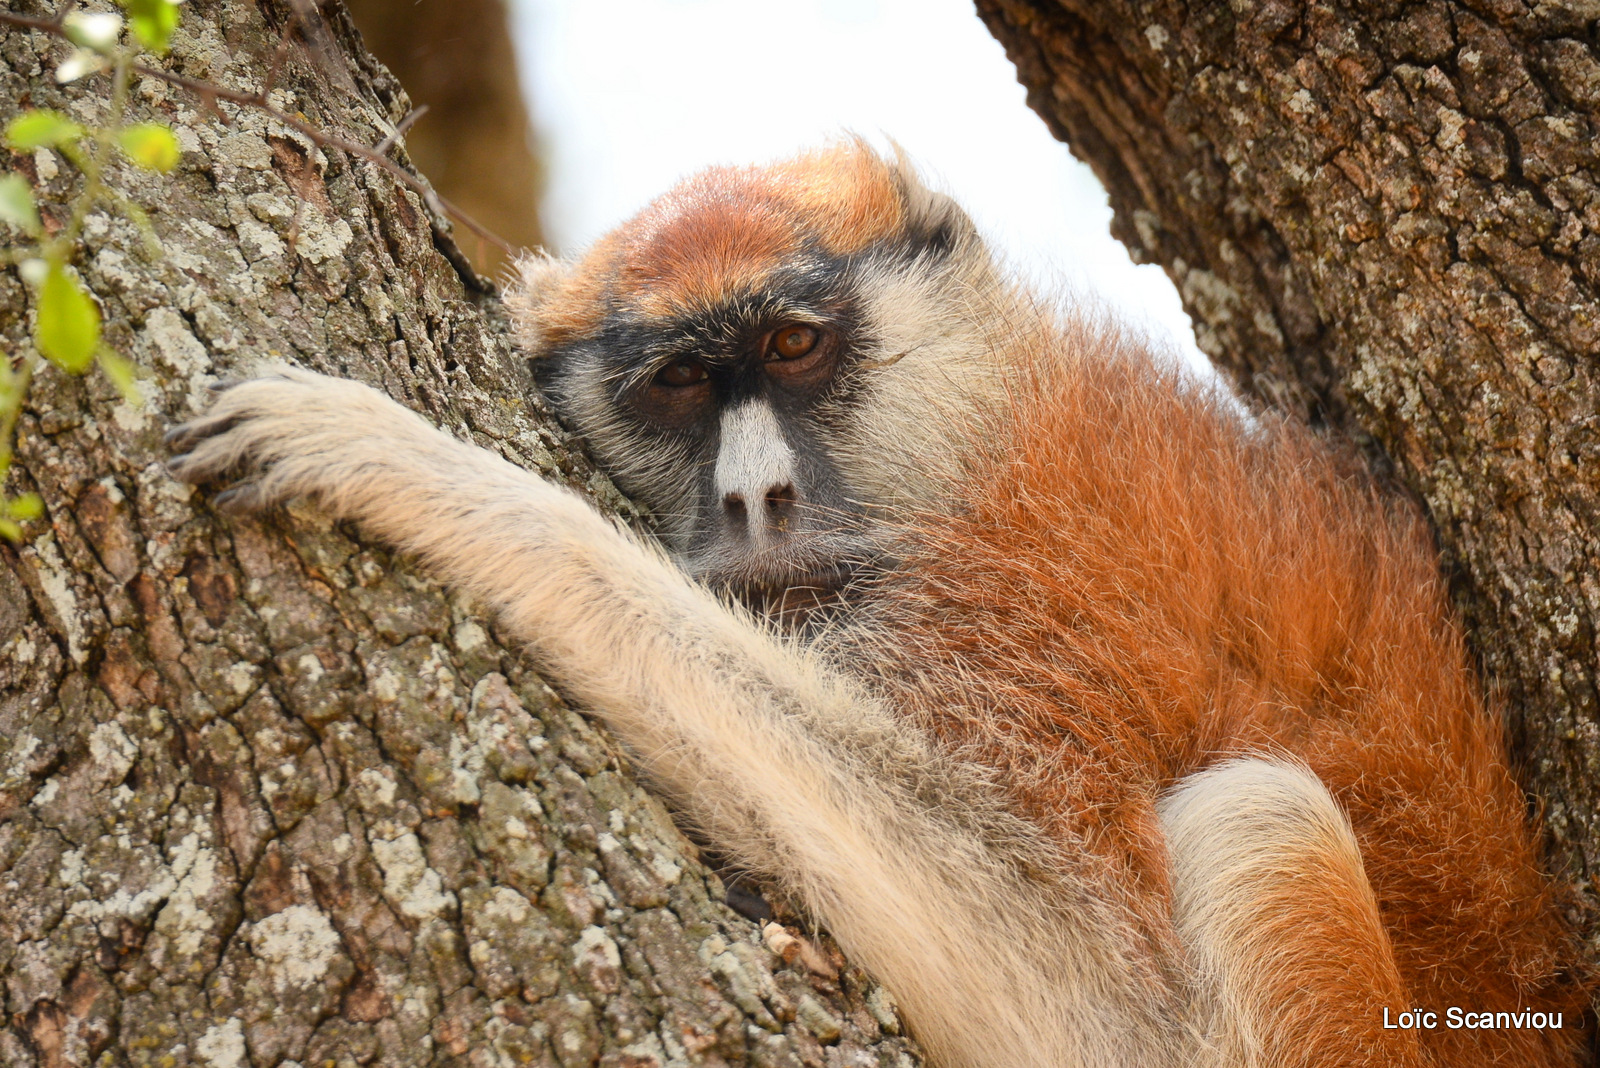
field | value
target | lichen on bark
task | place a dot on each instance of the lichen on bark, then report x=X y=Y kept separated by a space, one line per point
x=268 y=795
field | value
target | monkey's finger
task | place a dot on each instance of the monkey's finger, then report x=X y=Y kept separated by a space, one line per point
x=187 y=468
x=242 y=497
x=216 y=448
x=186 y=434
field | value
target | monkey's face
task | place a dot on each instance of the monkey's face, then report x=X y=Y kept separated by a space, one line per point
x=733 y=357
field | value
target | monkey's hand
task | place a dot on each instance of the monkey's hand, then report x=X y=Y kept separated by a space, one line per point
x=535 y=550
x=292 y=433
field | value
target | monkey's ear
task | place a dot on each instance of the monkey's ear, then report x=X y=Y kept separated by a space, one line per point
x=538 y=277
x=935 y=224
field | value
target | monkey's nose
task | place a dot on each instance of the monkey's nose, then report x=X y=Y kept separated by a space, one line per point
x=755 y=472
x=778 y=504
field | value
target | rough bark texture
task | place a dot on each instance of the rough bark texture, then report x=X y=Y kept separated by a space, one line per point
x=1386 y=216
x=268 y=796
x=475 y=143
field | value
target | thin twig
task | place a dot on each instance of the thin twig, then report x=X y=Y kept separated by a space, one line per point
x=52 y=25
x=95 y=169
x=208 y=101
x=21 y=377
x=327 y=140
x=278 y=56
x=383 y=147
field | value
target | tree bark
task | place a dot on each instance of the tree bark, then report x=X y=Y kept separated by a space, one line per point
x=1385 y=217
x=267 y=795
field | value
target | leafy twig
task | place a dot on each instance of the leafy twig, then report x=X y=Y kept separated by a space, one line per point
x=258 y=101
x=67 y=326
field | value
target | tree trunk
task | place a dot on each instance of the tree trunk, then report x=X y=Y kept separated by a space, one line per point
x=267 y=795
x=1385 y=216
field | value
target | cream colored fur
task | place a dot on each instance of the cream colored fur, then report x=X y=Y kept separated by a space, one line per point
x=1239 y=835
x=753 y=461
x=937 y=370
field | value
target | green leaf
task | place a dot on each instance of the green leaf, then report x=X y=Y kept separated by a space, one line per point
x=120 y=371
x=153 y=22
x=26 y=507
x=150 y=145
x=10 y=531
x=41 y=128
x=16 y=204
x=68 y=327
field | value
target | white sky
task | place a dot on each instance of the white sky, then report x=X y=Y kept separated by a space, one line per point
x=631 y=95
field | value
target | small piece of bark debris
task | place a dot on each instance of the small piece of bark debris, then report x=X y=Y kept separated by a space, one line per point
x=792 y=947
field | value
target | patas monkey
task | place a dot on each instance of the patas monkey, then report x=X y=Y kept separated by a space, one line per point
x=1105 y=723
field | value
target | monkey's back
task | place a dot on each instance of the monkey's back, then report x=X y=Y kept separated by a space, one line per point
x=1138 y=580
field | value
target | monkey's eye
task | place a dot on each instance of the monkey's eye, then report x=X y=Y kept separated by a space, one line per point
x=792 y=342
x=682 y=373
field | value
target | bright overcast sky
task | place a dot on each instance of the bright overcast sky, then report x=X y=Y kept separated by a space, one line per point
x=631 y=95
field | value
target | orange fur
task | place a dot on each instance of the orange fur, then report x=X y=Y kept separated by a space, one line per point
x=1139 y=582
x=725 y=230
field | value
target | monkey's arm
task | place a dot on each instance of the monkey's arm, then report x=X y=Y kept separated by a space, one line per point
x=798 y=771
